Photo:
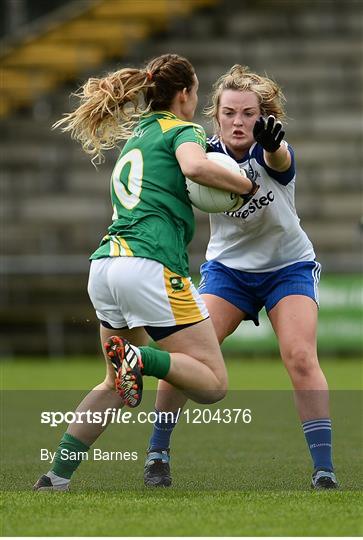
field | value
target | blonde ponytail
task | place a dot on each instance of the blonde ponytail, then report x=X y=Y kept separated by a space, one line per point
x=109 y=108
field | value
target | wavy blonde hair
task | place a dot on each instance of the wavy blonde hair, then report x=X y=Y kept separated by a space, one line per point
x=110 y=106
x=241 y=78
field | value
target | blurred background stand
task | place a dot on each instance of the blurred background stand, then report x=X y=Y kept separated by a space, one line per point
x=55 y=205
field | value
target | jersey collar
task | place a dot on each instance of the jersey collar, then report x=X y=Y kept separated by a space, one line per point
x=227 y=151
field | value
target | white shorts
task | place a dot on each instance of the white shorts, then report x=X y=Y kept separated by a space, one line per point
x=133 y=292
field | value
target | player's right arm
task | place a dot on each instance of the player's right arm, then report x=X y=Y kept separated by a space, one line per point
x=195 y=166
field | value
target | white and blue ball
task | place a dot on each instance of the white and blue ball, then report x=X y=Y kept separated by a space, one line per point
x=214 y=200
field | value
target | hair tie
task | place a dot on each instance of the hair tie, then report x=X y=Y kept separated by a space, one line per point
x=149 y=76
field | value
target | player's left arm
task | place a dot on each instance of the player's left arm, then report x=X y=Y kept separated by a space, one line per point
x=269 y=134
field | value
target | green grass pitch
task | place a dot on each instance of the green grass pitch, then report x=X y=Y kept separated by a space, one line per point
x=228 y=480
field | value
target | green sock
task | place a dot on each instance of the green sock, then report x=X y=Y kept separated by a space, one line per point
x=156 y=362
x=68 y=456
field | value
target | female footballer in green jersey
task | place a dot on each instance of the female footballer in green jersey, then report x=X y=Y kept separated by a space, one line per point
x=139 y=276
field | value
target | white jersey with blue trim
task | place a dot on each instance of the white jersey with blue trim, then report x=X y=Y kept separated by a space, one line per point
x=265 y=234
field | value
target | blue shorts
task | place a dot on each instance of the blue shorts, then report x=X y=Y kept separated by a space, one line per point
x=251 y=291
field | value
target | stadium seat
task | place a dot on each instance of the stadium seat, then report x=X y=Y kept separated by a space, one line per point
x=70 y=42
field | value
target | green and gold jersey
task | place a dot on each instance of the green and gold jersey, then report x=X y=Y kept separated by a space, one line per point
x=152 y=215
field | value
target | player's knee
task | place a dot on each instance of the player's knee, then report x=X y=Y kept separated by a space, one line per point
x=302 y=362
x=219 y=392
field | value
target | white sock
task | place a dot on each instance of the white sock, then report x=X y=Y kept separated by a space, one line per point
x=57 y=480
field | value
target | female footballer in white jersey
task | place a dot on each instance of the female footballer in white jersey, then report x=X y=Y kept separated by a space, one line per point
x=260 y=257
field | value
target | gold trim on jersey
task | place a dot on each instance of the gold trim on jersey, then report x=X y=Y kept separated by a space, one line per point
x=125 y=248
x=169 y=123
x=182 y=302
x=119 y=247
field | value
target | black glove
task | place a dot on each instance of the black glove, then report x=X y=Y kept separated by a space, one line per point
x=268 y=133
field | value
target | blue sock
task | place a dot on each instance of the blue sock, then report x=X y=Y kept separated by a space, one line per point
x=163 y=428
x=318 y=436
